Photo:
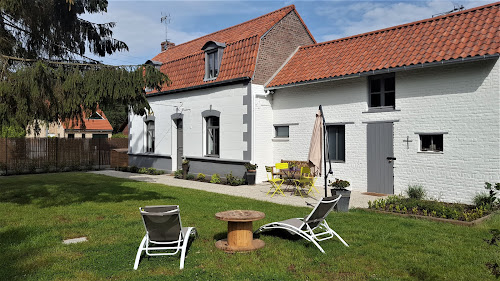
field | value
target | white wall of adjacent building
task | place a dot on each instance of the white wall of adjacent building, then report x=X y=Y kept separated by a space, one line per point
x=228 y=100
x=462 y=100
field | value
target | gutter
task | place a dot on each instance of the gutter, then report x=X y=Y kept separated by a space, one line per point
x=203 y=86
x=388 y=70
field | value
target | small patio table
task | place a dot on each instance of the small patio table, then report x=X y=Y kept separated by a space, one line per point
x=239 y=231
x=290 y=175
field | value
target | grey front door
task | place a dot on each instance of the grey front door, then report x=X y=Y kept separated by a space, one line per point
x=380 y=156
x=178 y=123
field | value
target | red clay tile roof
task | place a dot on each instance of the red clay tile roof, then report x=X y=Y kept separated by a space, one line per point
x=185 y=63
x=469 y=33
x=90 y=124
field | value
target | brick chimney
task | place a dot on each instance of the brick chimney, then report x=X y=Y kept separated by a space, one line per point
x=166 y=44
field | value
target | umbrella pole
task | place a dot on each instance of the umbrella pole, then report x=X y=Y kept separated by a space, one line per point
x=324 y=149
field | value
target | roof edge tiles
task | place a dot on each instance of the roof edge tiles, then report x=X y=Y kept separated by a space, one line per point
x=402 y=25
x=385 y=70
x=456 y=37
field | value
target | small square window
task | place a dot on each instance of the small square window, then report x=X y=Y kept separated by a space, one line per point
x=71 y=136
x=432 y=143
x=282 y=131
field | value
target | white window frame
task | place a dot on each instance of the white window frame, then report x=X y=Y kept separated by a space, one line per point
x=150 y=136
x=215 y=140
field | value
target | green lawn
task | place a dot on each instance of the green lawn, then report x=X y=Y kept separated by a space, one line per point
x=38 y=211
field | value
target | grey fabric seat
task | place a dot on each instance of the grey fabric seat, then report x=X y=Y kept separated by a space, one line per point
x=164 y=232
x=313 y=227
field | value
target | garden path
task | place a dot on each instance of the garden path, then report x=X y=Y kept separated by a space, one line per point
x=258 y=191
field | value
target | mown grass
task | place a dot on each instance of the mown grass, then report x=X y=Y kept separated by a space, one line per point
x=38 y=211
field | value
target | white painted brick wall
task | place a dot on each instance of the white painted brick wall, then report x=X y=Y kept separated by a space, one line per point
x=264 y=131
x=226 y=99
x=462 y=99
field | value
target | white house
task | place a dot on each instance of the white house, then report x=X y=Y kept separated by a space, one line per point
x=417 y=103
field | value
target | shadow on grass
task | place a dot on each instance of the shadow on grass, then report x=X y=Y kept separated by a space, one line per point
x=69 y=188
x=279 y=233
x=12 y=256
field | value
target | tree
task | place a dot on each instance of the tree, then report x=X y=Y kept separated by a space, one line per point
x=41 y=81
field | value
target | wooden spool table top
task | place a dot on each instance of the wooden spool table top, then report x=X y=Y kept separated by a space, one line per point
x=239 y=231
x=240 y=215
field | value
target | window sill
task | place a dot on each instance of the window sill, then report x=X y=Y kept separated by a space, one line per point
x=209 y=79
x=381 y=109
x=431 y=152
x=281 y=139
x=337 y=161
x=212 y=156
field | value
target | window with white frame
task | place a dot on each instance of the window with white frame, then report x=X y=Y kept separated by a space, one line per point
x=382 y=91
x=212 y=135
x=336 y=142
x=282 y=131
x=150 y=136
x=431 y=142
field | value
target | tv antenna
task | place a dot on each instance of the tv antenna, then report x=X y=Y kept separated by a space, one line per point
x=165 y=19
x=456 y=7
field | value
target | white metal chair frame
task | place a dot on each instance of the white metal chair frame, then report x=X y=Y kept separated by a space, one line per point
x=305 y=231
x=168 y=250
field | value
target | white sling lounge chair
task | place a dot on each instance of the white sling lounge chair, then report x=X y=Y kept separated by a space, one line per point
x=164 y=233
x=314 y=227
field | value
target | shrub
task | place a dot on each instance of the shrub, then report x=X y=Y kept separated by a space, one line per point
x=232 y=180
x=482 y=199
x=134 y=169
x=339 y=184
x=416 y=192
x=201 y=177
x=178 y=174
x=215 y=178
x=250 y=166
x=143 y=171
x=190 y=177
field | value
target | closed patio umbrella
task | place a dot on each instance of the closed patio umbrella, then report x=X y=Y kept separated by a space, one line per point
x=316 y=145
x=319 y=146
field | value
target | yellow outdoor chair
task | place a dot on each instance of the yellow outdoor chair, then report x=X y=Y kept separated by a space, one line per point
x=306 y=179
x=275 y=183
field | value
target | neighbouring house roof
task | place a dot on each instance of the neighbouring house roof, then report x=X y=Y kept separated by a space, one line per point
x=90 y=124
x=185 y=63
x=464 y=34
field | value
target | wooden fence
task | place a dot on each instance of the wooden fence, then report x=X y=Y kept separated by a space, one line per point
x=18 y=155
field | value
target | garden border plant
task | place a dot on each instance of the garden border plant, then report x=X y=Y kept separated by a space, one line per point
x=447 y=212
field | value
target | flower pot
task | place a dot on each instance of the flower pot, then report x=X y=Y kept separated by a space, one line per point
x=250 y=177
x=343 y=204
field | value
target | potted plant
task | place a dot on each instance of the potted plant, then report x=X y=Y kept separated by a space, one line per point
x=339 y=188
x=251 y=173
x=185 y=167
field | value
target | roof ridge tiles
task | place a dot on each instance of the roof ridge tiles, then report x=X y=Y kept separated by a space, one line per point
x=290 y=7
x=401 y=26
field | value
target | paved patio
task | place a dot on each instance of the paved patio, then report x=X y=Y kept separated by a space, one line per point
x=258 y=192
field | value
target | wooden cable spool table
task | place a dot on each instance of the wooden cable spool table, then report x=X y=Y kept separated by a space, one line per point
x=239 y=231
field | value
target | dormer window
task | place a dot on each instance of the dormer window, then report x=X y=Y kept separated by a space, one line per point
x=213 y=57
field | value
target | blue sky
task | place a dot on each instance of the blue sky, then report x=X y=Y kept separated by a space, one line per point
x=138 y=22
